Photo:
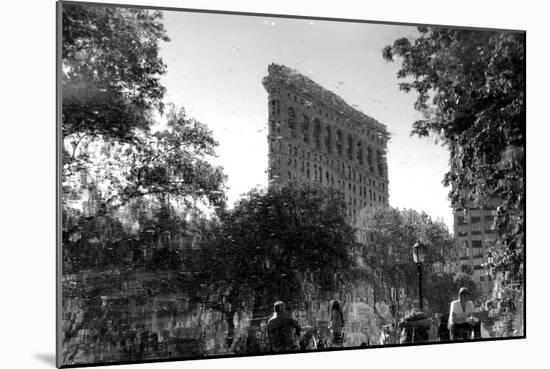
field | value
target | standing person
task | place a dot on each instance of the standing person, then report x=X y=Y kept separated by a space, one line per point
x=443 y=329
x=280 y=329
x=461 y=310
x=385 y=335
x=336 y=323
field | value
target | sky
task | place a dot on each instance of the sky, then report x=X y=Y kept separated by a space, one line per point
x=216 y=63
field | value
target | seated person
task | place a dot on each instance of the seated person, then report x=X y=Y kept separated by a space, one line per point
x=461 y=316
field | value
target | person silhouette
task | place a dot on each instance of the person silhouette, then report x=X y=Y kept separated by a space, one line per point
x=336 y=323
x=280 y=329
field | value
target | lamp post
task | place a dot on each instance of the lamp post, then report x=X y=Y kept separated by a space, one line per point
x=418 y=257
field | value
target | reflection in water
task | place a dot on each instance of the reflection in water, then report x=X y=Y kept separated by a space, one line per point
x=111 y=316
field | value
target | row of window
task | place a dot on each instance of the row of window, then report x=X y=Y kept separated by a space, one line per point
x=329 y=179
x=461 y=220
x=326 y=140
x=315 y=173
x=343 y=169
x=275 y=109
x=475 y=232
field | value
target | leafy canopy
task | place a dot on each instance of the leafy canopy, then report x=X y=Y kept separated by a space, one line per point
x=110 y=69
x=389 y=256
x=271 y=242
x=471 y=89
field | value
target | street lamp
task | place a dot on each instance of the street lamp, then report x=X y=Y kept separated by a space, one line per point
x=419 y=256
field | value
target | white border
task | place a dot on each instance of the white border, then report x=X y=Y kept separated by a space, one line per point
x=28 y=181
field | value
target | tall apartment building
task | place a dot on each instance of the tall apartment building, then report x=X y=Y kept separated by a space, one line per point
x=314 y=135
x=474 y=234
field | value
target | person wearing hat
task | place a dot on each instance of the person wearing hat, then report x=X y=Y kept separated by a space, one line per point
x=460 y=316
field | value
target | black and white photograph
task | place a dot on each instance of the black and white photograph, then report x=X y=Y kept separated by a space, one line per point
x=238 y=184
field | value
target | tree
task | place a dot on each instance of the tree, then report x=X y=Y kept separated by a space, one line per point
x=389 y=256
x=172 y=163
x=110 y=70
x=471 y=88
x=442 y=288
x=271 y=246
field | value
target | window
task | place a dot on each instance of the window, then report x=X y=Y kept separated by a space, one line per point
x=292 y=122
x=475 y=220
x=370 y=160
x=317 y=134
x=380 y=162
x=339 y=142
x=360 y=152
x=305 y=128
x=350 y=147
x=476 y=244
x=275 y=107
x=328 y=139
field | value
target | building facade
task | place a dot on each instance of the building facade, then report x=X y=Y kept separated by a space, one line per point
x=315 y=136
x=474 y=234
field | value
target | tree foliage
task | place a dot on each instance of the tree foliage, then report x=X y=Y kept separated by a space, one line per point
x=389 y=255
x=471 y=89
x=110 y=69
x=119 y=159
x=174 y=162
x=272 y=244
x=442 y=288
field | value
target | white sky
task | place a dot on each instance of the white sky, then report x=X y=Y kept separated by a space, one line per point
x=216 y=63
